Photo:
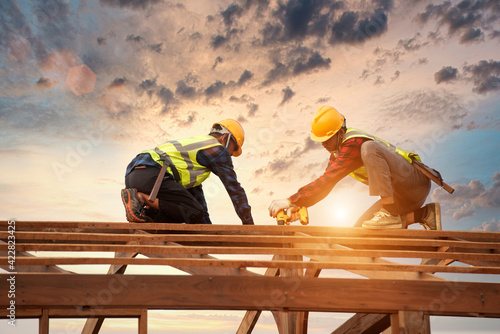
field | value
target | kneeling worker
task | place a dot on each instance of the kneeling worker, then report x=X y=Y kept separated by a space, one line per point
x=180 y=198
x=386 y=169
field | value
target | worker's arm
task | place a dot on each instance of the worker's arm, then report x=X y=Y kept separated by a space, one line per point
x=347 y=161
x=218 y=160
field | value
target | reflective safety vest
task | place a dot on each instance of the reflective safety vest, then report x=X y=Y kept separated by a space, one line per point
x=360 y=174
x=180 y=155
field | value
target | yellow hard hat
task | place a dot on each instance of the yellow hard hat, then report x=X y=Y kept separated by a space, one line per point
x=236 y=131
x=326 y=122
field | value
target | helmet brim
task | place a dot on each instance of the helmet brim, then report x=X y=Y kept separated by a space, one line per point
x=322 y=138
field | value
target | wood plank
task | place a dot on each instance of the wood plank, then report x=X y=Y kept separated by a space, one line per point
x=246 y=292
x=395 y=328
x=143 y=322
x=43 y=322
x=147 y=249
x=266 y=229
x=413 y=322
x=21 y=313
x=242 y=264
x=23 y=269
x=253 y=239
x=94 y=313
x=366 y=323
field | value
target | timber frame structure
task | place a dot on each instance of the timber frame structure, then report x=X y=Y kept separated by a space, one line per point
x=389 y=293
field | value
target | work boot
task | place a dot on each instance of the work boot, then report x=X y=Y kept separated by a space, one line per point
x=432 y=218
x=134 y=206
x=383 y=220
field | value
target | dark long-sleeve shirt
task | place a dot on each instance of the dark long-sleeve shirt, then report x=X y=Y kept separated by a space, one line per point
x=218 y=160
x=348 y=160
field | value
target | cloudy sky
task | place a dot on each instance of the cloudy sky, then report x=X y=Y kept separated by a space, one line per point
x=86 y=85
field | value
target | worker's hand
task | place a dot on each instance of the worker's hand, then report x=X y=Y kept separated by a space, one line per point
x=277 y=205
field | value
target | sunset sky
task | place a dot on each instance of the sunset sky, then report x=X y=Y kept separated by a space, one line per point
x=424 y=75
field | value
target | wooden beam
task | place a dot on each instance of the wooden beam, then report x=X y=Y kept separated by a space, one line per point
x=248 y=322
x=299 y=237
x=310 y=252
x=24 y=269
x=143 y=322
x=252 y=293
x=260 y=229
x=75 y=312
x=365 y=323
x=377 y=267
x=43 y=322
x=414 y=322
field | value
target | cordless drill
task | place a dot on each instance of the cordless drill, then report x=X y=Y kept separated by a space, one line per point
x=285 y=217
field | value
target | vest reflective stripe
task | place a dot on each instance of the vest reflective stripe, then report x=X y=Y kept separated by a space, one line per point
x=360 y=174
x=180 y=155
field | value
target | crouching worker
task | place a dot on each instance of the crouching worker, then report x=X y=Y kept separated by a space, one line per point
x=386 y=169
x=180 y=197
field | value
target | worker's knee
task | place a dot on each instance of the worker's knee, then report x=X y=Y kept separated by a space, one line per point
x=370 y=149
x=191 y=214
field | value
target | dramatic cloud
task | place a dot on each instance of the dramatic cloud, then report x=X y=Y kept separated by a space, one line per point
x=117 y=97
x=45 y=83
x=412 y=44
x=296 y=20
x=445 y=110
x=164 y=68
x=287 y=93
x=466 y=198
x=252 y=109
x=184 y=90
x=485 y=75
x=245 y=77
x=446 y=74
x=296 y=62
x=466 y=210
x=472 y=35
x=130 y=4
x=215 y=89
x=467 y=18
x=351 y=29
x=491 y=226
x=288 y=162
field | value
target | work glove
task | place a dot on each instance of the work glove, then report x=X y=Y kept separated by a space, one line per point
x=277 y=205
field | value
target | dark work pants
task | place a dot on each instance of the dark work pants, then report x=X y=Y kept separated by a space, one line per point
x=177 y=205
x=391 y=175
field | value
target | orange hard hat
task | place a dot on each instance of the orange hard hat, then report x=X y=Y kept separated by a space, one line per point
x=326 y=122
x=236 y=131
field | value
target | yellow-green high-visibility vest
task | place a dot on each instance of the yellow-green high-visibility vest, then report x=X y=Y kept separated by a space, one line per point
x=180 y=155
x=360 y=174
